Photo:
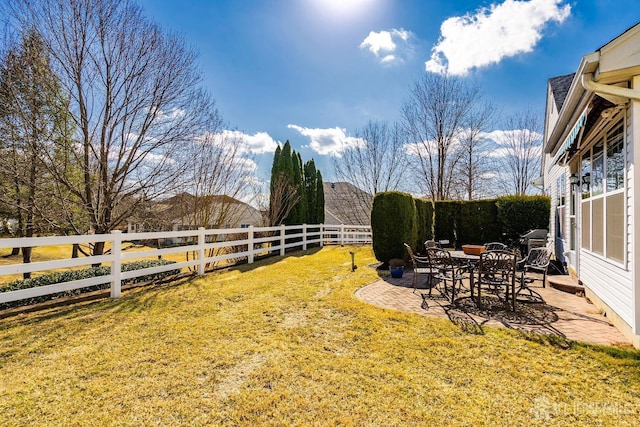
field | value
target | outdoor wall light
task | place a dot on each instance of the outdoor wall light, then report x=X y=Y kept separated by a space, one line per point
x=575 y=180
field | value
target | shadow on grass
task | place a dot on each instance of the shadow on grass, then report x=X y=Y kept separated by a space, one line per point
x=65 y=306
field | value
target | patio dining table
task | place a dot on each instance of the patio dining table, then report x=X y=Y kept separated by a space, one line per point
x=467 y=261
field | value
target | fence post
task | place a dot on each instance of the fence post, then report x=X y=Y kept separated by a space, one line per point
x=116 y=263
x=250 y=244
x=341 y=234
x=304 y=237
x=282 y=239
x=321 y=235
x=201 y=241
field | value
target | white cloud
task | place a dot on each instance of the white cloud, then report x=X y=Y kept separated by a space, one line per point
x=492 y=34
x=503 y=140
x=332 y=141
x=258 y=143
x=386 y=45
x=503 y=137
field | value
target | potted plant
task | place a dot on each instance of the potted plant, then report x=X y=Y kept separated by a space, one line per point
x=396 y=267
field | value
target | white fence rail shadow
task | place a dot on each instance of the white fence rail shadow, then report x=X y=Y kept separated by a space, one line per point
x=207 y=246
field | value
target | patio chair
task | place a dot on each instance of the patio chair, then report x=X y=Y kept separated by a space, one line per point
x=537 y=260
x=497 y=274
x=448 y=270
x=421 y=265
x=431 y=244
x=495 y=246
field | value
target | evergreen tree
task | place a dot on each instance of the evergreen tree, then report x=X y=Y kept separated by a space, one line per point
x=296 y=192
x=276 y=160
x=298 y=213
x=310 y=190
x=32 y=112
x=319 y=219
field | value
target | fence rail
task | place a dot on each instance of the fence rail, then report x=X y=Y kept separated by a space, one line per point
x=208 y=246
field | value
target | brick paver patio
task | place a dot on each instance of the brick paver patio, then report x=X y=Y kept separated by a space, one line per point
x=559 y=314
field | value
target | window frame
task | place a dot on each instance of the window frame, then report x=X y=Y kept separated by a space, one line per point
x=603 y=195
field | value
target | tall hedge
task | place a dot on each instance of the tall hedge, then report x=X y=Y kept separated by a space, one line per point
x=461 y=222
x=477 y=223
x=424 y=217
x=393 y=222
x=518 y=214
x=447 y=213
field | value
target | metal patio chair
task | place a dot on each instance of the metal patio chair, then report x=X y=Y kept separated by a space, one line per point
x=447 y=269
x=497 y=274
x=495 y=246
x=421 y=265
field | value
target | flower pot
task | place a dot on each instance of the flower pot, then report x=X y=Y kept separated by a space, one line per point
x=396 y=272
x=473 y=249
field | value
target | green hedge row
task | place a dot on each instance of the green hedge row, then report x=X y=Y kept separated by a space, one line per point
x=86 y=273
x=397 y=218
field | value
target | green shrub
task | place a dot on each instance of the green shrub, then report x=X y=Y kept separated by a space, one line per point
x=447 y=219
x=71 y=275
x=477 y=222
x=393 y=222
x=518 y=214
x=424 y=218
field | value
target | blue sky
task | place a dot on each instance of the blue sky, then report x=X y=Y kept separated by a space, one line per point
x=314 y=71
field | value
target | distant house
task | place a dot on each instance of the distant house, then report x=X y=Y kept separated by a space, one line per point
x=186 y=212
x=590 y=170
x=344 y=203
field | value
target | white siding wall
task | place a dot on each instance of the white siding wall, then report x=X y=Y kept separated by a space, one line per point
x=551 y=178
x=612 y=282
x=633 y=141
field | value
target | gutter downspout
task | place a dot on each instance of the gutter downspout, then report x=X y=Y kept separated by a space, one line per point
x=623 y=92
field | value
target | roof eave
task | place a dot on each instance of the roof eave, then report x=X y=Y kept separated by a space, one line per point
x=575 y=102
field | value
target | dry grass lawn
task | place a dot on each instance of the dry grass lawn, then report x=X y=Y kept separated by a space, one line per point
x=285 y=342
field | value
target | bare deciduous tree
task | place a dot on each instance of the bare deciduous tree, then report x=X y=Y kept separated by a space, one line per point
x=521 y=144
x=434 y=114
x=474 y=166
x=220 y=175
x=134 y=100
x=378 y=164
x=283 y=197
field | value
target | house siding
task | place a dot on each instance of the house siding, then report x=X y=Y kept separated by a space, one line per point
x=610 y=274
x=611 y=283
x=633 y=128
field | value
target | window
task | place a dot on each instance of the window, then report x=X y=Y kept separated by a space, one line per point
x=585 y=172
x=560 y=190
x=615 y=160
x=561 y=200
x=603 y=205
x=597 y=168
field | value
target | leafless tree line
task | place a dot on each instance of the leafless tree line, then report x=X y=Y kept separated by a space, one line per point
x=104 y=112
x=445 y=147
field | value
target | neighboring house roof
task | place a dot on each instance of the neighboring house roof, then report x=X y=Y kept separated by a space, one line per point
x=344 y=203
x=179 y=210
x=560 y=87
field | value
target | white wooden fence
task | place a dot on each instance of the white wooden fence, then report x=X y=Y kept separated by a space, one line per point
x=232 y=243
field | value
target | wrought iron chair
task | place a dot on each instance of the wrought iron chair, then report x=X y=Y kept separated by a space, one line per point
x=431 y=244
x=497 y=273
x=495 y=246
x=447 y=270
x=421 y=265
x=537 y=260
